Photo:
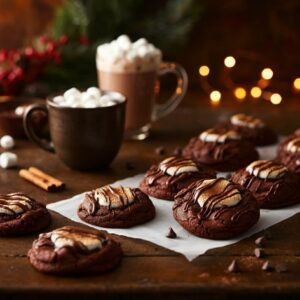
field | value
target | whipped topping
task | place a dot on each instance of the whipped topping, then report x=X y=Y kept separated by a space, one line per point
x=246 y=121
x=175 y=166
x=91 y=98
x=14 y=203
x=114 y=196
x=216 y=193
x=123 y=55
x=293 y=146
x=266 y=169
x=69 y=236
x=215 y=135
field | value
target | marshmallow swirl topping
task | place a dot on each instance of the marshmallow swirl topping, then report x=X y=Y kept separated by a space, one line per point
x=114 y=196
x=14 y=203
x=216 y=193
x=174 y=166
x=266 y=169
x=215 y=135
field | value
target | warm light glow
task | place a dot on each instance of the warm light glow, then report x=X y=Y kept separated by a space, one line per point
x=263 y=83
x=204 y=70
x=255 y=92
x=240 y=93
x=276 y=99
x=297 y=83
x=229 y=61
x=215 y=98
x=267 y=73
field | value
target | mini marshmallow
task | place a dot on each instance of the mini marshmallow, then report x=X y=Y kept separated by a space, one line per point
x=93 y=91
x=58 y=99
x=121 y=55
x=7 y=142
x=75 y=93
x=140 y=42
x=124 y=42
x=8 y=160
x=19 y=111
x=91 y=98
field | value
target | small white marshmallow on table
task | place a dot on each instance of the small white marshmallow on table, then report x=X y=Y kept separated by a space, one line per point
x=8 y=159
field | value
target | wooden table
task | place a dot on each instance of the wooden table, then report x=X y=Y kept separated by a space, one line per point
x=148 y=270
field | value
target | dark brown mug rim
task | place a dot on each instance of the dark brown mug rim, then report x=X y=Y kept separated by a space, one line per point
x=52 y=104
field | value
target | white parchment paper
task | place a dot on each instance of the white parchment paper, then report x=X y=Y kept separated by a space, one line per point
x=155 y=231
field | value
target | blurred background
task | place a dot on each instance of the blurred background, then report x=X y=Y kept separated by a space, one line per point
x=50 y=45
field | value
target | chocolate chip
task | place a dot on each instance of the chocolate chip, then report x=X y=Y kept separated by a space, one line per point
x=160 y=151
x=267 y=267
x=259 y=253
x=233 y=267
x=260 y=241
x=177 y=151
x=129 y=166
x=171 y=234
x=281 y=268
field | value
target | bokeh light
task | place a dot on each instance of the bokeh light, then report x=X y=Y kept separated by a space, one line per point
x=229 y=61
x=204 y=71
x=267 y=73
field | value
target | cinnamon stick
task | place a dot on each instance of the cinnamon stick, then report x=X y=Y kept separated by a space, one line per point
x=41 y=179
x=49 y=178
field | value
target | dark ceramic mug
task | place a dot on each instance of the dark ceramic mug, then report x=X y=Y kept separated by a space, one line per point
x=83 y=138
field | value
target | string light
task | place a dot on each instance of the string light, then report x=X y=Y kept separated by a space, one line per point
x=215 y=97
x=204 y=71
x=296 y=83
x=255 y=92
x=240 y=93
x=276 y=99
x=229 y=61
x=267 y=73
x=258 y=91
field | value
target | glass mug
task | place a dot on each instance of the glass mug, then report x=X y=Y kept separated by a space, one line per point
x=139 y=89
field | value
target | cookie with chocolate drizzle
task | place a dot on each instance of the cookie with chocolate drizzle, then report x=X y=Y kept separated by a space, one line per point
x=220 y=149
x=288 y=152
x=271 y=183
x=166 y=179
x=21 y=215
x=116 y=207
x=215 y=209
x=251 y=129
x=73 y=250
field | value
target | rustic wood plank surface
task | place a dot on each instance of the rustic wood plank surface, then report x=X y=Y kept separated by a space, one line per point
x=147 y=269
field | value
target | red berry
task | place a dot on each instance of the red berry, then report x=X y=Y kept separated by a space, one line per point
x=43 y=39
x=29 y=52
x=63 y=40
x=84 y=40
x=3 y=55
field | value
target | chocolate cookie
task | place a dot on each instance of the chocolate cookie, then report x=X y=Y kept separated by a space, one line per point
x=220 y=149
x=288 y=152
x=167 y=178
x=251 y=129
x=215 y=209
x=116 y=207
x=74 y=251
x=271 y=184
x=20 y=215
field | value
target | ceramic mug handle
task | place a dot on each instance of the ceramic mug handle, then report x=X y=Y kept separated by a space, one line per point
x=28 y=127
x=161 y=110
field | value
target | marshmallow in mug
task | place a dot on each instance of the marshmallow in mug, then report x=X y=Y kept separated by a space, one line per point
x=91 y=98
x=123 y=55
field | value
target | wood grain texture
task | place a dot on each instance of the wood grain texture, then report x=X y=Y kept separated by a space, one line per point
x=149 y=270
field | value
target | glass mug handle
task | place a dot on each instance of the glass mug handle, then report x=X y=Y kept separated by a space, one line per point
x=161 y=110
